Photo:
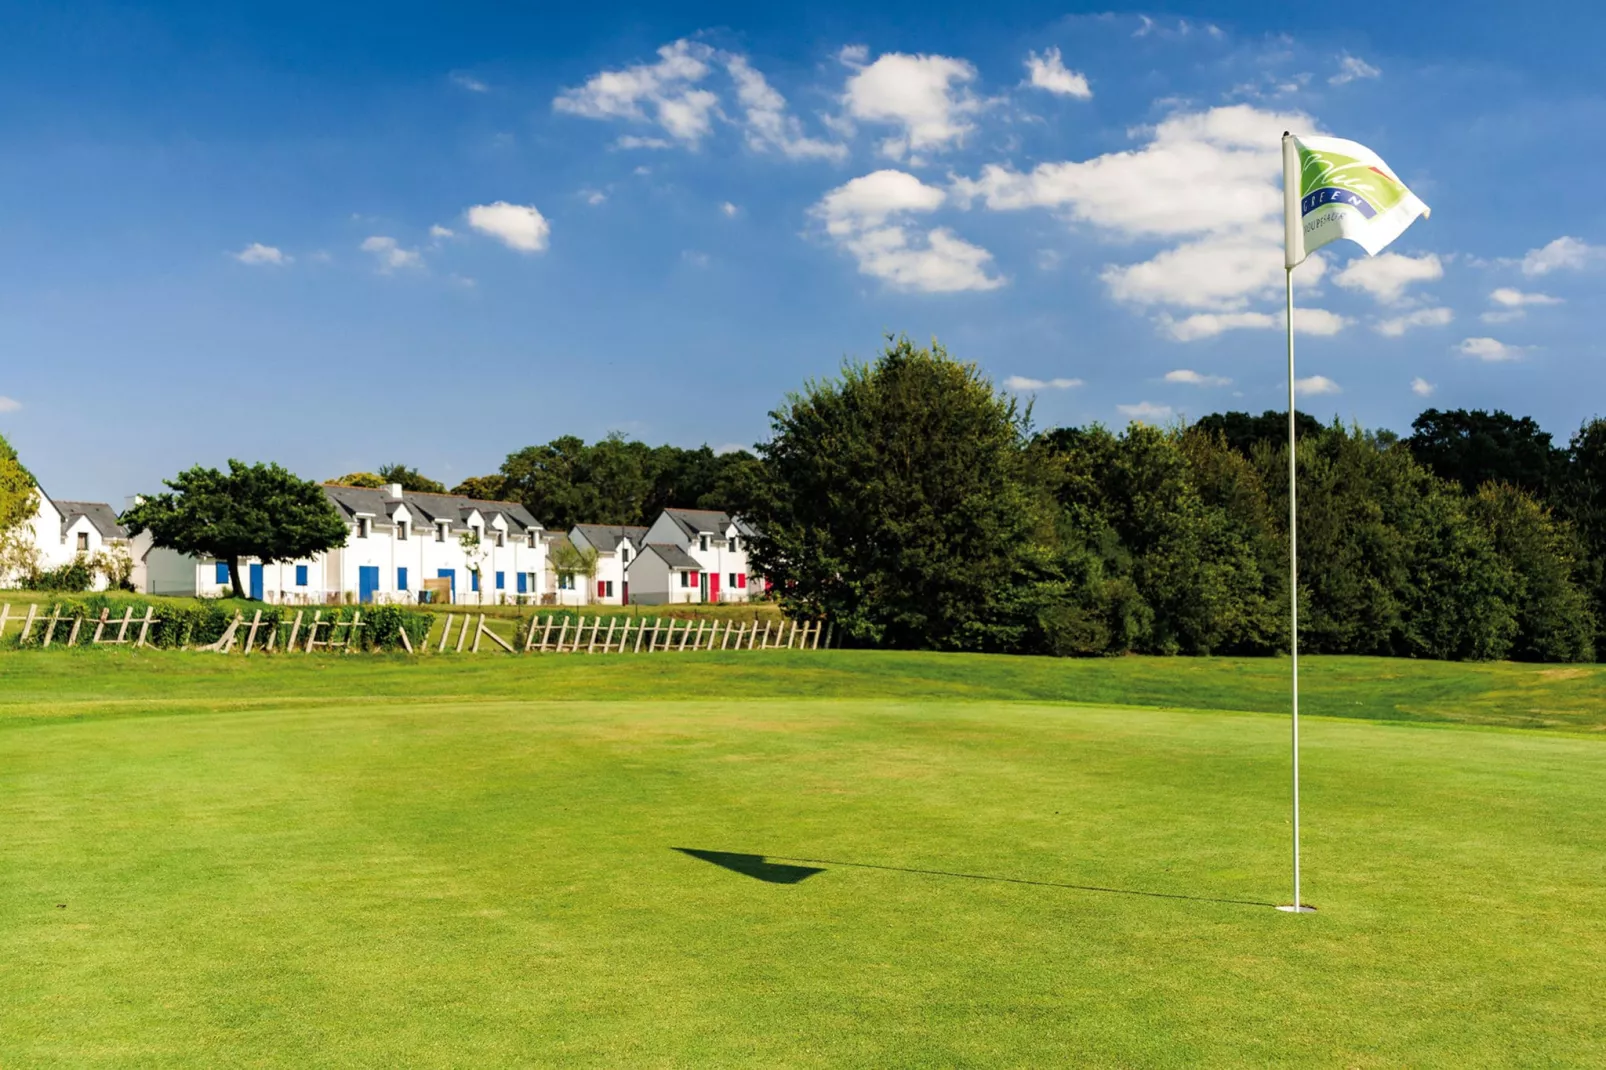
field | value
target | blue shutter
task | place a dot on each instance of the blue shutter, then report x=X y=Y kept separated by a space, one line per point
x=500 y=581
x=301 y=575
x=473 y=581
x=401 y=579
x=222 y=574
x=524 y=585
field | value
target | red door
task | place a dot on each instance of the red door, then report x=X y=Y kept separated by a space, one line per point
x=713 y=587
x=624 y=592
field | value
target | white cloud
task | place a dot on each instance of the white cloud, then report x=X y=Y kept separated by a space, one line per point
x=9 y=404
x=1422 y=317
x=1315 y=385
x=1510 y=315
x=1513 y=298
x=664 y=93
x=1048 y=72
x=1222 y=272
x=440 y=233
x=1317 y=321
x=1489 y=350
x=1145 y=410
x=768 y=126
x=593 y=197
x=867 y=217
x=467 y=81
x=730 y=210
x=390 y=254
x=631 y=141
x=1352 y=67
x=1021 y=382
x=1422 y=388
x=1385 y=277
x=257 y=253
x=1193 y=378
x=926 y=96
x=1563 y=253
x=518 y=226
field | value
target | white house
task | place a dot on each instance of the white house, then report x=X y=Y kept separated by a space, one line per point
x=615 y=545
x=696 y=555
x=565 y=587
x=489 y=552
x=61 y=531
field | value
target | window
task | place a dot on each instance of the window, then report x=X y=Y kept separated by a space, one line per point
x=221 y=574
x=732 y=584
x=565 y=581
x=478 y=534
x=702 y=542
x=364 y=526
x=688 y=578
x=474 y=581
x=301 y=575
x=624 y=555
x=501 y=580
x=401 y=579
x=531 y=538
x=83 y=542
x=604 y=588
x=501 y=537
x=440 y=531
x=736 y=543
x=401 y=530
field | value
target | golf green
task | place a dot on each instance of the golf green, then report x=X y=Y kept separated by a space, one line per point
x=362 y=862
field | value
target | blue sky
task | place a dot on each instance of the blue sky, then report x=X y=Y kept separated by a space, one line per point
x=336 y=236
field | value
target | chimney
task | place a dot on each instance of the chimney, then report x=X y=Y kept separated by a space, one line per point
x=393 y=490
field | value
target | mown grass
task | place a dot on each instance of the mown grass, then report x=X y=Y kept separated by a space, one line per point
x=472 y=861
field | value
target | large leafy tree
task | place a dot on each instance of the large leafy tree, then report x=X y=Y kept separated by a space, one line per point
x=482 y=488
x=897 y=502
x=1474 y=447
x=371 y=480
x=410 y=479
x=255 y=510
x=1243 y=432
x=17 y=494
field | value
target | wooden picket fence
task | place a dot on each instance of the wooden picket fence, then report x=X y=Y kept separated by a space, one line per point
x=554 y=634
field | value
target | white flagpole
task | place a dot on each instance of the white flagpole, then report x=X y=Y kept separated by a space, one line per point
x=1294 y=253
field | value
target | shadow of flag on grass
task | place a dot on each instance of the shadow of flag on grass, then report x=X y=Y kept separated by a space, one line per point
x=754 y=866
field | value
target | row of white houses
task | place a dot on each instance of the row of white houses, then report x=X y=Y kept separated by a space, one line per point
x=401 y=544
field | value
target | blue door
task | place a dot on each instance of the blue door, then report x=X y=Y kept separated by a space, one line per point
x=367 y=582
x=448 y=574
x=256 y=582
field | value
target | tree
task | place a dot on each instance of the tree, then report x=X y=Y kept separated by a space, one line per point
x=1243 y=432
x=1554 y=619
x=372 y=480
x=18 y=500
x=482 y=488
x=1474 y=447
x=897 y=503
x=410 y=479
x=257 y=510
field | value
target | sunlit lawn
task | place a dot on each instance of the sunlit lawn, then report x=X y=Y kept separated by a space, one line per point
x=369 y=861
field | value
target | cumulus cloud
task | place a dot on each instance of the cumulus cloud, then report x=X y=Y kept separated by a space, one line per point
x=665 y=93
x=1315 y=321
x=1513 y=298
x=467 y=81
x=518 y=226
x=767 y=124
x=1422 y=317
x=440 y=233
x=1422 y=388
x=390 y=254
x=730 y=210
x=1193 y=378
x=1210 y=181
x=257 y=253
x=1048 y=72
x=672 y=94
x=869 y=217
x=1021 y=383
x=1315 y=385
x=1385 y=277
x=926 y=97
x=9 y=404
x=1351 y=68
x=1146 y=411
x=1489 y=350
x=1562 y=254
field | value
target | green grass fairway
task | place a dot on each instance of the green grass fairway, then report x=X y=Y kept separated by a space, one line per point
x=374 y=862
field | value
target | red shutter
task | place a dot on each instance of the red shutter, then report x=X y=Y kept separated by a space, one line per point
x=741 y=580
x=600 y=588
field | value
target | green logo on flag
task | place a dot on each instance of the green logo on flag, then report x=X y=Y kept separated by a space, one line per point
x=1329 y=178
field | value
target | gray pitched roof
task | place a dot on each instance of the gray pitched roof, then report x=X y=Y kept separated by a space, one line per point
x=694 y=521
x=673 y=556
x=101 y=515
x=428 y=508
x=607 y=537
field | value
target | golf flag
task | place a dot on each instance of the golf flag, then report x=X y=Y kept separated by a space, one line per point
x=1335 y=189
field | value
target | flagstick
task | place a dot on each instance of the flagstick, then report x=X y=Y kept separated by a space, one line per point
x=1293 y=239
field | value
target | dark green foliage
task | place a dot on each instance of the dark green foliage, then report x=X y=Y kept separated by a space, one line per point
x=258 y=510
x=372 y=480
x=410 y=479
x=1243 y=432
x=75 y=575
x=620 y=481
x=1555 y=621
x=1477 y=447
x=899 y=504
x=482 y=488
x=180 y=624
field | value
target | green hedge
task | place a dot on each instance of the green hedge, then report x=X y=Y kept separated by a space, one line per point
x=179 y=625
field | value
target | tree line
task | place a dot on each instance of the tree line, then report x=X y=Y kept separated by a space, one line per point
x=914 y=505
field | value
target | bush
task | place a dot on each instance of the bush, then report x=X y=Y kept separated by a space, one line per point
x=75 y=575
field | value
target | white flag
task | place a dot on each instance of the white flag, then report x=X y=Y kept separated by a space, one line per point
x=1335 y=189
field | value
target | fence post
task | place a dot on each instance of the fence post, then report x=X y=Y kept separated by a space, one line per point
x=50 y=629
x=122 y=629
x=312 y=629
x=72 y=636
x=251 y=635
x=27 y=625
x=563 y=630
x=462 y=635
x=446 y=633
x=295 y=630
x=144 y=628
x=100 y=625
x=477 y=633
x=607 y=641
x=546 y=633
x=5 y=614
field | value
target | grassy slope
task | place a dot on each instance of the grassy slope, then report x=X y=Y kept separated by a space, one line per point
x=289 y=872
